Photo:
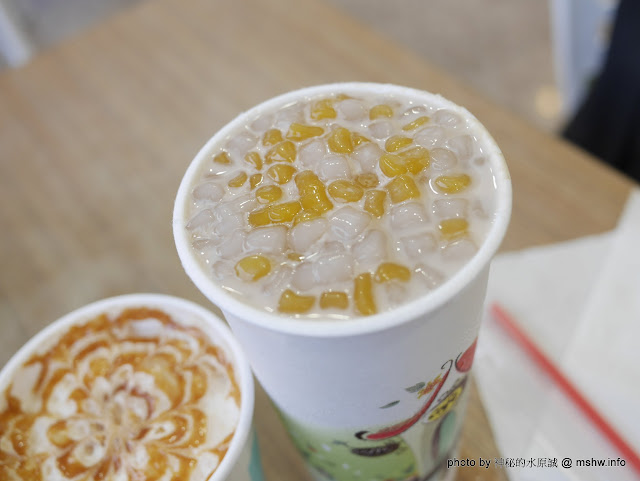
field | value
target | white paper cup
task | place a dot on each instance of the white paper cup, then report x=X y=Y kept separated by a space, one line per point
x=241 y=461
x=377 y=397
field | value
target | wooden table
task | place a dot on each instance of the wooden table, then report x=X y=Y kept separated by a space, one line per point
x=95 y=136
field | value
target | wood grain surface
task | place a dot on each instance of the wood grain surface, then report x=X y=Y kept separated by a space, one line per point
x=96 y=134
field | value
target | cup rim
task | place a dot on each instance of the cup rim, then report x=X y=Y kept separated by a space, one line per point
x=223 y=336
x=322 y=327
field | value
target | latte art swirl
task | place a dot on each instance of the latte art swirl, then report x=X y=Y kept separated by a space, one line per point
x=136 y=396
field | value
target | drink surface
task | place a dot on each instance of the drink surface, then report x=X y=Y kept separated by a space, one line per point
x=133 y=395
x=343 y=205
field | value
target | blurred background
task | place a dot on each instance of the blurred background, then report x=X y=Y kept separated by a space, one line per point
x=555 y=48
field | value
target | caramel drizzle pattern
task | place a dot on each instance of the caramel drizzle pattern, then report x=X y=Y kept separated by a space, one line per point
x=113 y=431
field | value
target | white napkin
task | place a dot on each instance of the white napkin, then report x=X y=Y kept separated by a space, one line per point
x=579 y=301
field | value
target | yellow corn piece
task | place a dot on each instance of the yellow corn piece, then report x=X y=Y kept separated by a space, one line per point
x=454 y=228
x=363 y=295
x=292 y=303
x=392 y=165
x=305 y=216
x=345 y=191
x=358 y=139
x=255 y=180
x=367 y=180
x=259 y=217
x=381 y=110
x=252 y=268
x=340 y=141
x=388 y=271
x=238 y=180
x=416 y=159
x=285 y=212
x=300 y=132
x=323 y=109
x=282 y=152
x=452 y=184
x=374 y=202
x=272 y=137
x=254 y=159
x=313 y=194
x=397 y=142
x=402 y=188
x=419 y=122
x=281 y=173
x=222 y=158
x=334 y=300
x=268 y=194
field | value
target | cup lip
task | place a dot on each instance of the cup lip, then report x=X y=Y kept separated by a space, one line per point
x=322 y=327
x=223 y=334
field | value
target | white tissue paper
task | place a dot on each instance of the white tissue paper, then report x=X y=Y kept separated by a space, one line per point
x=579 y=301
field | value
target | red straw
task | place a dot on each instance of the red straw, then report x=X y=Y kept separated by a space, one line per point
x=511 y=326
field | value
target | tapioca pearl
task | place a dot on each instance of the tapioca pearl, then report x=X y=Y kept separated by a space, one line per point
x=443 y=159
x=347 y=223
x=371 y=250
x=393 y=293
x=279 y=280
x=201 y=222
x=448 y=118
x=228 y=223
x=367 y=156
x=208 y=191
x=288 y=114
x=414 y=112
x=415 y=246
x=238 y=204
x=222 y=270
x=232 y=245
x=351 y=109
x=240 y=144
x=380 y=129
x=262 y=123
x=479 y=161
x=450 y=207
x=302 y=236
x=336 y=268
x=479 y=210
x=266 y=240
x=428 y=276
x=334 y=167
x=459 y=250
x=408 y=216
x=207 y=248
x=303 y=277
x=312 y=153
x=430 y=137
x=463 y=146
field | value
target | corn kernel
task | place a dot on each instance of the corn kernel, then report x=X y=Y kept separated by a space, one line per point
x=452 y=184
x=254 y=159
x=238 y=180
x=454 y=228
x=367 y=180
x=340 y=141
x=268 y=194
x=292 y=303
x=358 y=139
x=252 y=268
x=363 y=295
x=392 y=165
x=305 y=216
x=313 y=195
x=285 y=212
x=323 y=109
x=295 y=257
x=402 y=188
x=334 y=299
x=345 y=191
x=416 y=159
x=259 y=217
x=281 y=173
x=388 y=271
x=419 y=122
x=303 y=132
x=397 y=142
x=381 y=110
x=272 y=137
x=374 y=202
x=255 y=180
x=222 y=158
x=282 y=152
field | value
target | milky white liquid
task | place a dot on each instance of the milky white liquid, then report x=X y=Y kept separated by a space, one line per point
x=328 y=252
